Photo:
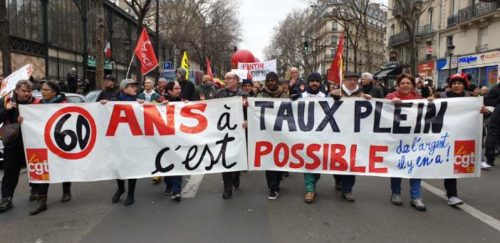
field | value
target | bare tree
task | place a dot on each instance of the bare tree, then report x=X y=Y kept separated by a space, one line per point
x=287 y=43
x=205 y=28
x=99 y=45
x=407 y=13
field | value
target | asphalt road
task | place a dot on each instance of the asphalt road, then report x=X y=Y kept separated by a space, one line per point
x=250 y=217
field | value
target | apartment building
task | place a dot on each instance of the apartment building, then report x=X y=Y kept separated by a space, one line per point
x=452 y=36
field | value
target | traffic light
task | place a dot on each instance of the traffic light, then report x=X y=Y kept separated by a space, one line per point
x=306 y=45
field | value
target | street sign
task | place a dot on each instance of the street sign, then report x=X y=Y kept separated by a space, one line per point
x=167 y=66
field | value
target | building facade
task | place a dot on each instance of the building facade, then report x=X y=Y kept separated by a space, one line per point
x=57 y=35
x=452 y=36
x=328 y=29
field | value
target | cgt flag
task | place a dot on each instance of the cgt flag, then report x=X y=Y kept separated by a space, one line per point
x=335 y=73
x=145 y=53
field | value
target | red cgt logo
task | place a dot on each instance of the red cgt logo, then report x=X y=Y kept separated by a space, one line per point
x=38 y=164
x=465 y=152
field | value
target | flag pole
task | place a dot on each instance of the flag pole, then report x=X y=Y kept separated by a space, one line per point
x=131 y=59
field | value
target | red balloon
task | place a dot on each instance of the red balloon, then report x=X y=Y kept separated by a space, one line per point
x=241 y=56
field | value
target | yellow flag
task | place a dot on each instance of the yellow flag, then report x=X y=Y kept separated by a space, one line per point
x=185 y=64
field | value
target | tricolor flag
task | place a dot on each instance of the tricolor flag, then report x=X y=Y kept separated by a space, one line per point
x=107 y=50
x=335 y=74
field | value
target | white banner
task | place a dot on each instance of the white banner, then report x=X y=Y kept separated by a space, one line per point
x=89 y=142
x=9 y=83
x=415 y=139
x=258 y=70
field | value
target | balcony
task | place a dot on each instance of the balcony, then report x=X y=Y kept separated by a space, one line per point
x=425 y=30
x=398 y=38
x=472 y=12
x=480 y=48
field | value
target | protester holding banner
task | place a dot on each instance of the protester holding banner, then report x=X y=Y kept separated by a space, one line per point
x=296 y=84
x=313 y=90
x=13 y=142
x=149 y=94
x=349 y=88
x=173 y=183
x=231 y=89
x=406 y=91
x=458 y=84
x=188 y=90
x=128 y=92
x=272 y=89
x=247 y=87
x=51 y=94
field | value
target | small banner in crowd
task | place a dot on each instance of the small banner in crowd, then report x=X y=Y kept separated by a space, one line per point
x=414 y=139
x=89 y=142
x=258 y=70
x=9 y=83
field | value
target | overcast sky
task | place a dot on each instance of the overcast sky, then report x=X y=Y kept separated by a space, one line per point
x=259 y=17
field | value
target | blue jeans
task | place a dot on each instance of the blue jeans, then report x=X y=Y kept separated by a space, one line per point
x=414 y=187
x=347 y=183
x=174 y=183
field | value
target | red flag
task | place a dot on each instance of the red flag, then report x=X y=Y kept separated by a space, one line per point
x=107 y=50
x=145 y=53
x=335 y=74
x=209 y=69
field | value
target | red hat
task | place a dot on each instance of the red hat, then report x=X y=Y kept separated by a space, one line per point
x=461 y=77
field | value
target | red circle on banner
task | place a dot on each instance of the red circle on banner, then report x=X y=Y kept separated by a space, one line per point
x=56 y=150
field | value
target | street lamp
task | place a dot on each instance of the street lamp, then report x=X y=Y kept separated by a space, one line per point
x=450 y=48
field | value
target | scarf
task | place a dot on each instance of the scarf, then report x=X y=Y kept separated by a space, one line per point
x=349 y=92
x=274 y=94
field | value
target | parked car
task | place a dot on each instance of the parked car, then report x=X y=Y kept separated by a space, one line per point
x=92 y=95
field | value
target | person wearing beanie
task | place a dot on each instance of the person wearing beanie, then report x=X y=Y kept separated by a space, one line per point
x=247 y=87
x=188 y=89
x=272 y=89
x=313 y=87
x=313 y=90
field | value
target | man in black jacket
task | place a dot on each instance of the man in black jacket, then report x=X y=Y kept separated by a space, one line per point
x=14 y=150
x=109 y=90
x=188 y=90
x=367 y=86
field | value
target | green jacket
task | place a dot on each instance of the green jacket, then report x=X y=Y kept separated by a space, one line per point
x=154 y=96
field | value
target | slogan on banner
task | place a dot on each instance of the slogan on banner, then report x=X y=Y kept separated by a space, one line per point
x=89 y=142
x=258 y=70
x=414 y=139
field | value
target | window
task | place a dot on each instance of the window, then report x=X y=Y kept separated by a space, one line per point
x=334 y=26
x=25 y=19
x=429 y=12
x=453 y=7
x=449 y=40
x=392 y=29
x=483 y=32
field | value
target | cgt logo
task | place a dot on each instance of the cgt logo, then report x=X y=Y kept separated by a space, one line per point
x=38 y=165
x=464 y=156
x=70 y=133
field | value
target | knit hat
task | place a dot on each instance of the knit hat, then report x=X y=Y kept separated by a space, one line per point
x=351 y=75
x=109 y=77
x=272 y=76
x=125 y=82
x=462 y=77
x=247 y=81
x=182 y=71
x=314 y=76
